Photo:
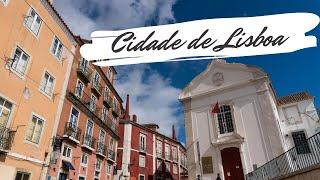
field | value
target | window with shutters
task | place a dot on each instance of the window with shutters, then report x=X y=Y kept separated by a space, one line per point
x=35 y=129
x=167 y=151
x=56 y=48
x=142 y=161
x=19 y=62
x=79 y=89
x=5 y=111
x=47 y=84
x=33 y=22
x=142 y=145
x=5 y=2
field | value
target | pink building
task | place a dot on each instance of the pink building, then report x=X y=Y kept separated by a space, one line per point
x=144 y=153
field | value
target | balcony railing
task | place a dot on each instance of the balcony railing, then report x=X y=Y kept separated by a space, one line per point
x=101 y=149
x=107 y=100
x=96 y=88
x=86 y=100
x=111 y=155
x=299 y=157
x=89 y=141
x=84 y=72
x=71 y=130
x=6 y=139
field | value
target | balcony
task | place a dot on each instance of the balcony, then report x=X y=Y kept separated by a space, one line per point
x=111 y=155
x=101 y=149
x=6 y=139
x=115 y=111
x=112 y=125
x=107 y=100
x=96 y=88
x=88 y=142
x=84 y=73
x=72 y=132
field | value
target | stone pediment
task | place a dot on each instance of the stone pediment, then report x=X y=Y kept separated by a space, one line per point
x=220 y=75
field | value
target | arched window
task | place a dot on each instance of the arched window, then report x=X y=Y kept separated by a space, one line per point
x=225 y=119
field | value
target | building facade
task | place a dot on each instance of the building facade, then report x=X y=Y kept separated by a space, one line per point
x=85 y=145
x=235 y=123
x=146 y=154
x=298 y=119
x=36 y=50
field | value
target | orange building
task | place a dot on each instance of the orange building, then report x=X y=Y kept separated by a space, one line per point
x=86 y=142
x=36 y=54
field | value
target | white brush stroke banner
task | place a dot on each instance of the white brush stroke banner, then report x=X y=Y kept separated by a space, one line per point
x=282 y=33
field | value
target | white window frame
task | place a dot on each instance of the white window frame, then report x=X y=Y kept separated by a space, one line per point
x=96 y=79
x=109 y=171
x=110 y=74
x=175 y=169
x=167 y=168
x=23 y=173
x=159 y=166
x=93 y=103
x=69 y=120
x=65 y=157
x=76 y=90
x=142 y=175
x=174 y=153
x=43 y=89
x=142 y=161
x=104 y=114
x=87 y=159
x=12 y=62
x=5 y=2
x=167 y=151
x=56 y=51
x=36 y=34
x=42 y=130
x=159 y=148
x=227 y=130
x=143 y=142
x=3 y=106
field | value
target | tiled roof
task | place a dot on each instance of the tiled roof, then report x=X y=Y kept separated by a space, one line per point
x=60 y=18
x=292 y=98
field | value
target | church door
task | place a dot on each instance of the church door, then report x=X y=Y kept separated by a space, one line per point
x=232 y=166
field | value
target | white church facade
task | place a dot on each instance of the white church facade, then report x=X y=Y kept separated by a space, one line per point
x=252 y=126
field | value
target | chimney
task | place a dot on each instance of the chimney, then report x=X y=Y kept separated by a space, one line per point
x=134 y=118
x=126 y=113
x=174 y=137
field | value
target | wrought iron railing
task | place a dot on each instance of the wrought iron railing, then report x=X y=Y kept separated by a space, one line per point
x=111 y=154
x=89 y=141
x=304 y=155
x=6 y=138
x=101 y=149
x=84 y=71
x=71 y=130
x=86 y=100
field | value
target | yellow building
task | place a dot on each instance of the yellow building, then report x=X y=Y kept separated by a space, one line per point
x=36 y=54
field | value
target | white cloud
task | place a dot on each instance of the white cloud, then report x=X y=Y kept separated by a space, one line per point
x=152 y=98
x=85 y=16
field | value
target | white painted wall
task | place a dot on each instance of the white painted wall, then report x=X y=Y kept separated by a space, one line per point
x=300 y=116
x=247 y=91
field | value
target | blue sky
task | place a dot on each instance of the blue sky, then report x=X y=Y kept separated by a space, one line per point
x=155 y=87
